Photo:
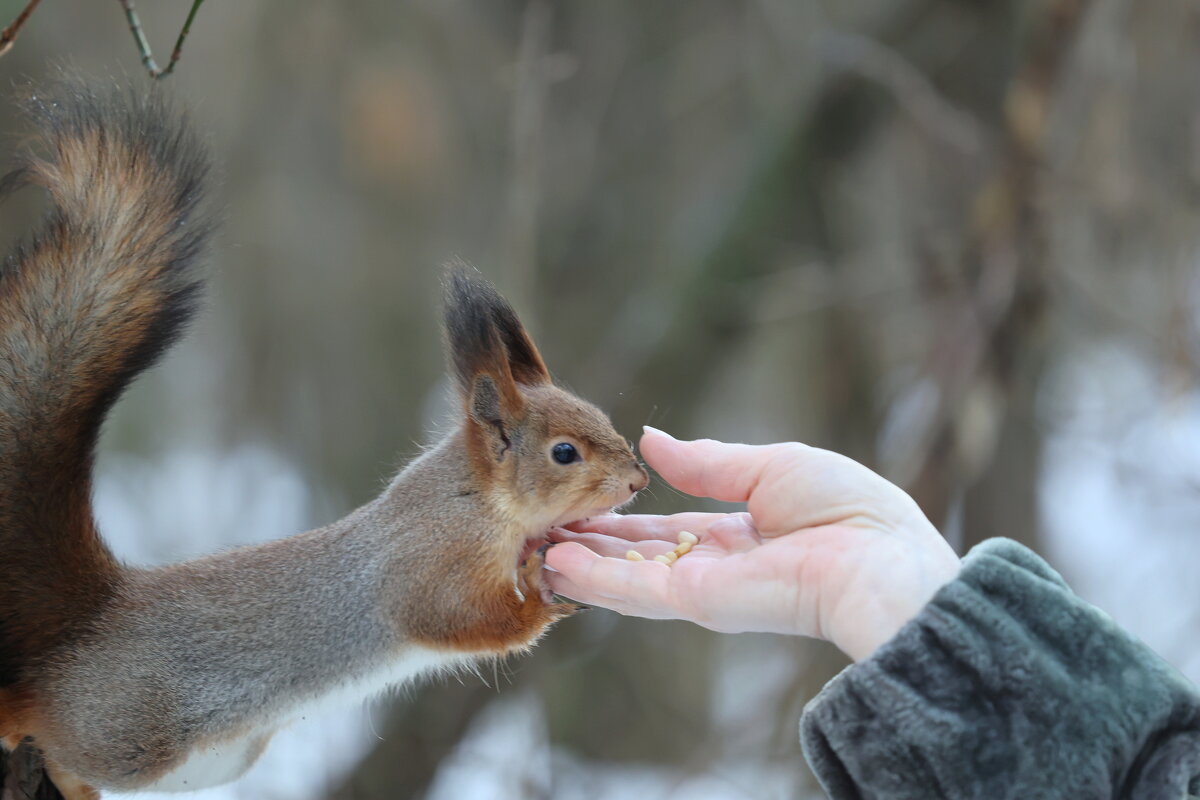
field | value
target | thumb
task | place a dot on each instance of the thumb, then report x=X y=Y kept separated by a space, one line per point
x=706 y=467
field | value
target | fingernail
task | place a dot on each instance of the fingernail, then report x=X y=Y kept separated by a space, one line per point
x=649 y=429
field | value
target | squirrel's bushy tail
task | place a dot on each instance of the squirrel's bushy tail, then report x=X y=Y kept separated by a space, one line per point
x=97 y=294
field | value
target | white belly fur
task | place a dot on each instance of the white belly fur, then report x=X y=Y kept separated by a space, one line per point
x=212 y=765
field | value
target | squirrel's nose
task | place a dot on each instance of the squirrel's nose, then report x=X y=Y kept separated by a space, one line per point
x=641 y=481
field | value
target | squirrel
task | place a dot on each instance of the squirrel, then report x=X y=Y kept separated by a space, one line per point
x=175 y=678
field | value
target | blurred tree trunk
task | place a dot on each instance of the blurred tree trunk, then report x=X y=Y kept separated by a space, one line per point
x=1003 y=314
x=1004 y=501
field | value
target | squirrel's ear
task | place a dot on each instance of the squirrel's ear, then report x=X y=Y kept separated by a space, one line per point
x=524 y=360
x=486 y=407
x=473 y=304
x=477 y=348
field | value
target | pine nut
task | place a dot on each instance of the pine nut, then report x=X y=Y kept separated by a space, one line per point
x=634 y=555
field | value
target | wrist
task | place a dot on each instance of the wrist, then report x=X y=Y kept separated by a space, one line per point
x=894 y=603
x=875 y=629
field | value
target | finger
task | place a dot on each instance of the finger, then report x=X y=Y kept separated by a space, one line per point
x=708 y=468
x=640 y=587
x=642 y=527
x=611 y=546
x=560 y=584
x=651 y=535
x=788 y=486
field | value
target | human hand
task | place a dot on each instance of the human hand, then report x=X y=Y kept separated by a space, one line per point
x=828 y=549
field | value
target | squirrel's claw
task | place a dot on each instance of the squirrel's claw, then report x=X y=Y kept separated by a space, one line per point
x=532 y=585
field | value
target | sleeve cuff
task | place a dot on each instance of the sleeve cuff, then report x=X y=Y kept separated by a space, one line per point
x=1005 y=685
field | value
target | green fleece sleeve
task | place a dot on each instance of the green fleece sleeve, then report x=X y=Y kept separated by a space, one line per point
x=1007 y=685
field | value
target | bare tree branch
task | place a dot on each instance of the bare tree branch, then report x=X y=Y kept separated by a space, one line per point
x=8 y=37
x=139 y=36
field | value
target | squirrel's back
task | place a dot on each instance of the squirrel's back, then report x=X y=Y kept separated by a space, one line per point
x=93 y=298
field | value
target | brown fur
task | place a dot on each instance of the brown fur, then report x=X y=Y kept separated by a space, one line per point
x=84 y=305
x=494 y=619
x=123 y=675
x=70 y=787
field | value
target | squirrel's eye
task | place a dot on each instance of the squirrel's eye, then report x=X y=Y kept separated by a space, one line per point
x=564 y=453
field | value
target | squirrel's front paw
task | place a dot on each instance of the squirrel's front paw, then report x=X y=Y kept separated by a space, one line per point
x=532 y=585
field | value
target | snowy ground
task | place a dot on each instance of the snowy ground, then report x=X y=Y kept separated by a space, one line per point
x=195 y=502
x=1120 y=497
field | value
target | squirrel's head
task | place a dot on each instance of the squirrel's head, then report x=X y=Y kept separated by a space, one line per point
x=543 y=456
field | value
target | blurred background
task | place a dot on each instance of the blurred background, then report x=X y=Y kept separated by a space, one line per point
x=956 y=240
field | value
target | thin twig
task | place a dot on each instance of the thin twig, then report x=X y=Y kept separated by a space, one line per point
x=135 y=26
x=139 y=36
x=8 y=37
x=187 y=27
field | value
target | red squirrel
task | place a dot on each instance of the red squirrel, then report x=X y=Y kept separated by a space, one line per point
x=176 y=677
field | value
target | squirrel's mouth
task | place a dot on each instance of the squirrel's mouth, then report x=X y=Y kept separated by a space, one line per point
x=534 y=543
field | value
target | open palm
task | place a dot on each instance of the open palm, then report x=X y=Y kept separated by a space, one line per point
x=827 y=548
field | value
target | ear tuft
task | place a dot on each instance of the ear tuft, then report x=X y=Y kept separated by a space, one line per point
x=484 y=334
x=472 y=342
x=523 y=357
